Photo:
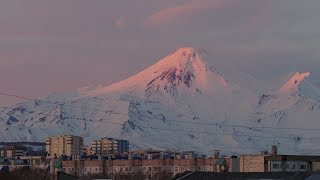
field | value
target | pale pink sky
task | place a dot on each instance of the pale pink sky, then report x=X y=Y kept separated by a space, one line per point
x=58 y=45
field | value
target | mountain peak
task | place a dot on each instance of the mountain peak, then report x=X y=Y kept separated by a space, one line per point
x=190 y=50
x=182 y=59
x=293 y=83
x=184 y=68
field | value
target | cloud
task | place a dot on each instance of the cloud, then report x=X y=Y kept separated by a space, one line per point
x=172 y=14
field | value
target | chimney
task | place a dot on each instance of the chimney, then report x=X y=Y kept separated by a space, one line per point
x=274 y=150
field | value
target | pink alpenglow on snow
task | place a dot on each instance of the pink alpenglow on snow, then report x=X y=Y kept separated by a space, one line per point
x=181 y=69
x=181 y=102
x=294 y=82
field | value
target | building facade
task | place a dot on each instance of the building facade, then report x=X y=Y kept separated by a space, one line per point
x=13 y=152
x=148 y=168
x=107 y=146
x=252 y=163
x=279 y=163
x=67 y=145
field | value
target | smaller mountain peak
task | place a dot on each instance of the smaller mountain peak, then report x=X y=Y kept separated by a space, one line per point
x=294 y=82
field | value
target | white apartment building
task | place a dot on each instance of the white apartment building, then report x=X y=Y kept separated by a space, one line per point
x=64 y=145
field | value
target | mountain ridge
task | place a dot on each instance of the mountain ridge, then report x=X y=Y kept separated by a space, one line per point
x=179 y=103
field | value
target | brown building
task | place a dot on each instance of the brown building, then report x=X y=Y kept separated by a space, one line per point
x=148 y=168
x=13 y=152
x=279 y=163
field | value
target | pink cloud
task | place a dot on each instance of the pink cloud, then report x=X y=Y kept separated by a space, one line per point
x=172 y=14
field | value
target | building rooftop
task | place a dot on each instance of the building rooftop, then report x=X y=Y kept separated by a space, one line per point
x=244 y=176
x=14 y=147
x=292 y=158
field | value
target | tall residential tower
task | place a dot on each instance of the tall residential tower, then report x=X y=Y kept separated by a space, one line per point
x=64 y=145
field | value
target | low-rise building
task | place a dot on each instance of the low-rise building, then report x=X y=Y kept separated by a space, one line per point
x=252 y=163
x=248 y=175
x=67 y=145
x=160 y=154
x=13 y=151
x=149 y=168
x=278 y=163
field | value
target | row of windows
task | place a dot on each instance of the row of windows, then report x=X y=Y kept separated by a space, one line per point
x=116 y=169
x=279 y=166
x=130 y=169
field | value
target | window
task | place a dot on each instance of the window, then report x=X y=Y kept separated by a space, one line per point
x=287 y=166
x=303 y=166
x=275 y=166
x=293 y=166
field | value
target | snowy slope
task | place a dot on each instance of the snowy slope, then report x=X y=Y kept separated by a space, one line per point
x=293 y=111
x=179 y=103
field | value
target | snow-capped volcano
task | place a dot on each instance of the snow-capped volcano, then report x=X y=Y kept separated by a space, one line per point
x=179 y=103
x=183 y=69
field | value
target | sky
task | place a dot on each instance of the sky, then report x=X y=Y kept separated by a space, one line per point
x=61 y=45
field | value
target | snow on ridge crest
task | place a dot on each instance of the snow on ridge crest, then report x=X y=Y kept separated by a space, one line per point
x=293 y=83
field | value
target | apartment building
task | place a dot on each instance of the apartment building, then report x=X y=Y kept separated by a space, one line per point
x=109 y=146
x=67 y=145
x=279 y=163
x=149 y=168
